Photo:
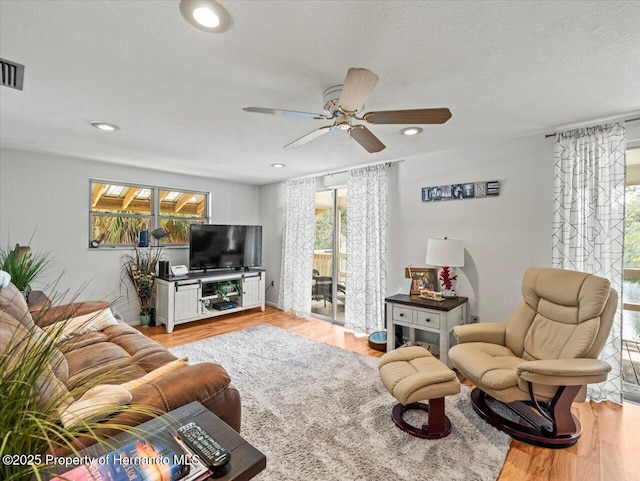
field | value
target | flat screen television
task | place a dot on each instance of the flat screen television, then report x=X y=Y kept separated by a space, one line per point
x=224 y=246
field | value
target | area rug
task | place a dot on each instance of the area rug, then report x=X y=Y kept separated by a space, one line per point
x=320 y=413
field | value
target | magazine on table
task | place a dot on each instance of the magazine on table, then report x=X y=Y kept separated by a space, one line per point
x=160 y=459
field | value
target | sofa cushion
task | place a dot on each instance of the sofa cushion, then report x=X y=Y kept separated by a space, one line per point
x=54 y=314
x=57 y=360
x=97 y=403
x=75 y=326
x=156 y=374
x=13 y=303
x=18 y=344
x=117 y=354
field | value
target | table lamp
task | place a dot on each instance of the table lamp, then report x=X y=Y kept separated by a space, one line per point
x=446 y=253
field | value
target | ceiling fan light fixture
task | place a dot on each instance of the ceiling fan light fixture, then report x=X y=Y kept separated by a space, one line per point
x=278 y=166
x=343 y=105
x=206 y=15
x=104 y=126
x=411 y=131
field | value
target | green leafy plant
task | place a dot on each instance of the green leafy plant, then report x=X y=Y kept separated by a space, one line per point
x=140 y=269
x=22 y=264
x=224 y=289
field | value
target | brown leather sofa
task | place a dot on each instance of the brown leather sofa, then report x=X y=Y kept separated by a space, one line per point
x=119 y=354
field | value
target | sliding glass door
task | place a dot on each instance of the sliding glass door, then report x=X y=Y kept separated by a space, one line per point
x=330 y=255
x=631 y=287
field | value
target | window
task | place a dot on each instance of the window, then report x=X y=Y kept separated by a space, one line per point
x=178 y=210
x=631 y=287
x=118 y=211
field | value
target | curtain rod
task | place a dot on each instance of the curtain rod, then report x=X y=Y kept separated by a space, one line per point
x=587 y=124
x=340 y=171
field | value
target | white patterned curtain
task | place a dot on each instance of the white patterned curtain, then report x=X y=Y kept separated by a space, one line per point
x=588 y=223
x=366 y=249
x=297 y=247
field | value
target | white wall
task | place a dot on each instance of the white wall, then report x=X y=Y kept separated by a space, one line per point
x=50 y=195
x=502 y=235
x=271 y=219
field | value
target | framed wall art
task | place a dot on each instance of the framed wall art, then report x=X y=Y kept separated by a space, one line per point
x=468 y=190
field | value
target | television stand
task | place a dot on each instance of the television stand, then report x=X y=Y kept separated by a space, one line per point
x=196 y=296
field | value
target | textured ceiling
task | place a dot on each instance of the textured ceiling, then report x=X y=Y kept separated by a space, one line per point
x=503 y=68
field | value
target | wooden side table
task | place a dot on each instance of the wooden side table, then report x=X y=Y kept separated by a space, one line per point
x=246 y=461
x=426 y=315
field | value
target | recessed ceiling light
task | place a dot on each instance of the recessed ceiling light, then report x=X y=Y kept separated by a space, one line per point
x=278 y=166
x=104 y=126
x=411 y=131
x=206 y=15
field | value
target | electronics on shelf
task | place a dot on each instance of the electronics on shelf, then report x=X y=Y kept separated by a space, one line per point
x=223 y=306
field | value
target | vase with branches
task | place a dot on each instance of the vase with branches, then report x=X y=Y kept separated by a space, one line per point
x=140 y=269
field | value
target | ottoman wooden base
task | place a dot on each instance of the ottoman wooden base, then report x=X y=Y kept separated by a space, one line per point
x=438 y=426
x=412 y=374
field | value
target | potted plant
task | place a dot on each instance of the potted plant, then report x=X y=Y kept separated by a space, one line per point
x=23 y=265
x=140 y=269
x=224 y=289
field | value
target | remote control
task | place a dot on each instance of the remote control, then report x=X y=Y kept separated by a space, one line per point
x=210 y=451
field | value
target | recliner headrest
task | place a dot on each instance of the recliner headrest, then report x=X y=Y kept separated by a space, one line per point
x=566 y=288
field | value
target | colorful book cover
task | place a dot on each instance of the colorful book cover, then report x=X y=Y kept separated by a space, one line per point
x=137 y=461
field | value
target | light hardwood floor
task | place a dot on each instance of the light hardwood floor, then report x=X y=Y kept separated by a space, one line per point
x=609 y=449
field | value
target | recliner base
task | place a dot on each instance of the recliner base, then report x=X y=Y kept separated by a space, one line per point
x=544 y=434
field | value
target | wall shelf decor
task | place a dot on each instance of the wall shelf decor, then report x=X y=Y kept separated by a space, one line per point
x=468 y=190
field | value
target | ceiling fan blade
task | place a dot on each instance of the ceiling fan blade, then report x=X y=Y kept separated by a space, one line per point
x=309 y=137
x=358 y=85
x=418 y=116
x=365 y=137
x=285 y=113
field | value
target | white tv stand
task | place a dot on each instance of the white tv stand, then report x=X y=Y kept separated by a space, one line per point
x=193 y=297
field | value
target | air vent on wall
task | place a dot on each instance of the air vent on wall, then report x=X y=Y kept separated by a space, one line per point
x=12 y=74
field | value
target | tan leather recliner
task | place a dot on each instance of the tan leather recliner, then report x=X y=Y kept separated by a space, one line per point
x=542 y=358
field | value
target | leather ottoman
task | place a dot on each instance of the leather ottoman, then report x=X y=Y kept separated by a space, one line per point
x=412 y=374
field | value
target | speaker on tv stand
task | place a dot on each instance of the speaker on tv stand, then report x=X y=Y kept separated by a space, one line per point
x=163 y=269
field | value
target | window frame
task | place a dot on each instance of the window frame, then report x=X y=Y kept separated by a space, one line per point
x=153 y=218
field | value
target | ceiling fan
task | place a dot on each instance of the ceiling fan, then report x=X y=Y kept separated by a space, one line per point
x=342 y=103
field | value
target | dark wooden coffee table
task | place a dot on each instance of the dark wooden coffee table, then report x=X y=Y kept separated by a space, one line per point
x=246 y=461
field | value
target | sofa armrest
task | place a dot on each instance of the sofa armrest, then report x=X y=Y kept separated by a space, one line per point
x=564 y=372
x=489 y=332
x=51 y=315
x=206 y=382
x=195 y=382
